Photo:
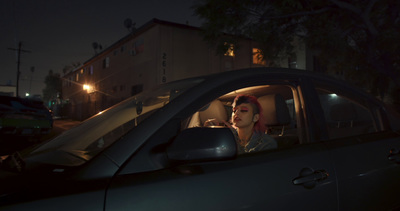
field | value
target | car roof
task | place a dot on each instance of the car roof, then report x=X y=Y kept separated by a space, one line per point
x=282 y=73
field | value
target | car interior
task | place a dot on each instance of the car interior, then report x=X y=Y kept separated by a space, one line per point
x=345 y=117
x=278 y=109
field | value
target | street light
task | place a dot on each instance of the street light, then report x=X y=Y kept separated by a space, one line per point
x=89 y=89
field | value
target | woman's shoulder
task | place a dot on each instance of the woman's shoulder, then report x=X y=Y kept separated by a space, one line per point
x=268 y=141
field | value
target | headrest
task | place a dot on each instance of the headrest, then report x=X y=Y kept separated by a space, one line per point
x=275 y=110
x=343 y=112
x=214 y=110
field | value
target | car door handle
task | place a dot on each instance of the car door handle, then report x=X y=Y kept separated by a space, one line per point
x=394 y=156
x=309 y=178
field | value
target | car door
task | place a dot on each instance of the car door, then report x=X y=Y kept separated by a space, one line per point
x=364 y=149
x=254 y=182
x=301 y=176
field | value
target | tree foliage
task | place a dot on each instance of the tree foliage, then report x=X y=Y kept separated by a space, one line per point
x=360 y=38
x=53 y=86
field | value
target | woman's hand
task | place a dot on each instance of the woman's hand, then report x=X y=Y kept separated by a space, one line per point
x=215 y=122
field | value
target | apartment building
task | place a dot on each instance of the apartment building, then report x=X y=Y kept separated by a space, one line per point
x=156 y=53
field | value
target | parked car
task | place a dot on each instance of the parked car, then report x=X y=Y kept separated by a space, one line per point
x=23 y=116
x=338 y=149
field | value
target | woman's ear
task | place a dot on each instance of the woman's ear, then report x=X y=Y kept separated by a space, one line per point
x=256 y=117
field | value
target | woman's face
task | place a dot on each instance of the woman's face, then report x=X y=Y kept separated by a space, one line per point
x=243 y=116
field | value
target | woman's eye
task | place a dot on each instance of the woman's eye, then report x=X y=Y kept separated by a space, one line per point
x=244 y=110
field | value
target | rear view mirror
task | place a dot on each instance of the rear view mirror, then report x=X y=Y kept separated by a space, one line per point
x=203 y=144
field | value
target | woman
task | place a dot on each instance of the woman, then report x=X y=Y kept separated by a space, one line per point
x=249 y=125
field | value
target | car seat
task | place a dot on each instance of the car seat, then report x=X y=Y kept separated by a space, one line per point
x=346 y=121
x=277 y=117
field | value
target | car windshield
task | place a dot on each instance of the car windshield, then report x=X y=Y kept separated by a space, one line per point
x=95 y=134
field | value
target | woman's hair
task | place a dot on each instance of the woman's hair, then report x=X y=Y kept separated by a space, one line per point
x=260 y=125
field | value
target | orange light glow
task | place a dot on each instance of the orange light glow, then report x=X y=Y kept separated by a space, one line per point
x=88 y=88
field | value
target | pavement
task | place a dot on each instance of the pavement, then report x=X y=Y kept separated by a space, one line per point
x=60 y=125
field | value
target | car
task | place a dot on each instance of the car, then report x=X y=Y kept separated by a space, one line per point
x=338 y=149
x=24 y=117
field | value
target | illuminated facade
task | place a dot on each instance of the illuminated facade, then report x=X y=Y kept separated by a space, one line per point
x=8 y=90
x=156 y=53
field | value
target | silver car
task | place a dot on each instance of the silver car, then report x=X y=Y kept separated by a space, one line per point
x=338 y=149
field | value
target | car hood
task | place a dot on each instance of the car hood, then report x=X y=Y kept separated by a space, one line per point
x=21 y=186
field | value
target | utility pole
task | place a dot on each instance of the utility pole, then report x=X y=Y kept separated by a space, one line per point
x=19 y=50
x=30 y=84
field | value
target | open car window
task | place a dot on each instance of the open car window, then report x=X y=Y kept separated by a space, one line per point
x=285 y=128
x=279 y=108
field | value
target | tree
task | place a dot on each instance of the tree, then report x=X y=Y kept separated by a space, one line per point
x=71 y=67
x=359 y=37
x=53 y=88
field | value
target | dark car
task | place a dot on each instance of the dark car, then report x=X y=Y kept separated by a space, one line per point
x=338 y=149
x=24 y=117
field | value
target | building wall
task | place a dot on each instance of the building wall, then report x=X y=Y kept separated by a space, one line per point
x=7 y=90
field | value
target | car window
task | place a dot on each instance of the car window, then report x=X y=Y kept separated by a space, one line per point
x=100 y=131
x=344 y=116
x=279 y=109
x=285 y=130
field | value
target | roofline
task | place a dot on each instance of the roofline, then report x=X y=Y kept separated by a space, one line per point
x=139 y=31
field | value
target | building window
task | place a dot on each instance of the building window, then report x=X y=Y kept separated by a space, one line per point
x=230 y=51
x=136 y=89
x=258 y=57
x=106 y=62
x=122 y=88
x=137 y=47
x=91 y=70
x=77 y=77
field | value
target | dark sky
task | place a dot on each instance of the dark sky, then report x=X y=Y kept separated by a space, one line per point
x=58 y=33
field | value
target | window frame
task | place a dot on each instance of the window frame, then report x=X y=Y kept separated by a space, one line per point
x=146 y=152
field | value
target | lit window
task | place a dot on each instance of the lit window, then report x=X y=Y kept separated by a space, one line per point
x=82 y=71
x=230 y=51
x=257 y=57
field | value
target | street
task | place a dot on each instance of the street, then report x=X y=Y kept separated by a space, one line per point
x=10 y=143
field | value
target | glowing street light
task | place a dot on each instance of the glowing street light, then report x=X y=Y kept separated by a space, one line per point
x=88 y=88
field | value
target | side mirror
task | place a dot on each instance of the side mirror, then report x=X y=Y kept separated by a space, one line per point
x=203 y=144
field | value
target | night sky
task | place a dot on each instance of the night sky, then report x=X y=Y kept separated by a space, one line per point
x=58 y=33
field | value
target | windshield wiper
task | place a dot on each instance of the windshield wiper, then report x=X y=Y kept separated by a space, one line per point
x=13 y=162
